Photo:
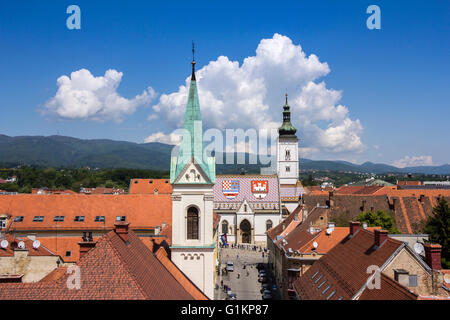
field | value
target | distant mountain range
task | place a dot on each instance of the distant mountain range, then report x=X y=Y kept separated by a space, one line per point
x=61 y=151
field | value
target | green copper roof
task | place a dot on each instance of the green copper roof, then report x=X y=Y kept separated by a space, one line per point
x=191 y=147
x=286 y=129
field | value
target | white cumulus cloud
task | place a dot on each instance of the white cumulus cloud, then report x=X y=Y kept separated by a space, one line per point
x=251 y=95
x=171 y=138
x=84 y=96
x=413 y=161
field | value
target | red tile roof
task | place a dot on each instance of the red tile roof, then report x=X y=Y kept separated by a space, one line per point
x=143 y=211
x=13 y=243
x=111 y=270
x=409 y=183
x=345 y=267
x=148 y=186
x=390 y=290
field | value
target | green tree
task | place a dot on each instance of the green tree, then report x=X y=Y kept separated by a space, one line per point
x=378 y=219
x=438 y=227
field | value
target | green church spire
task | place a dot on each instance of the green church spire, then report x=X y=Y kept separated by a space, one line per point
x=191 y=147
x=287 y=129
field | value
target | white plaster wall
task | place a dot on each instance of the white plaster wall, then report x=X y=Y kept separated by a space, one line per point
x=198 y=265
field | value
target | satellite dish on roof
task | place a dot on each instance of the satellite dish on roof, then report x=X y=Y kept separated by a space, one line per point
x=315 y=244
x=36 y=244
x=447 y=278
x=418 y=248
x=4 y=244
x=329 y=231
x=21 y=245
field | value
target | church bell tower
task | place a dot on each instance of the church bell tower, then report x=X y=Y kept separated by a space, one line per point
x=287 y=149
x=192 y=176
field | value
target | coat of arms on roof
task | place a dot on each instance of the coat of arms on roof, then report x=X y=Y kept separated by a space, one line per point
x=260 y=188
x=230 y=188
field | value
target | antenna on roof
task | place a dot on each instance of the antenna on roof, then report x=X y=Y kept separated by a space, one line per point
x=4 y=244
x=36 y=244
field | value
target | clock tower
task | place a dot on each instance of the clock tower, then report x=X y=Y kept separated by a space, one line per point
x=287 y=149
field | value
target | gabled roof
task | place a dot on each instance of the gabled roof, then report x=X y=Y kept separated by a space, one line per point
x=112 y=270
x=276 y=230
x=345 y=267
x=391 y=290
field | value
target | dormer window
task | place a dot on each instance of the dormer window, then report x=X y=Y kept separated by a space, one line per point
x=99 y=219
x=121 y=218
x=18 y=218
x=58 y=218
x=79 y=219
x=38 y=219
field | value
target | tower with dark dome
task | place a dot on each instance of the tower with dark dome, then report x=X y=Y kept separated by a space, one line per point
x=287 y=149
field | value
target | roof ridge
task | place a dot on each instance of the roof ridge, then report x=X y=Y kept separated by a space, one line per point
x=124 y=265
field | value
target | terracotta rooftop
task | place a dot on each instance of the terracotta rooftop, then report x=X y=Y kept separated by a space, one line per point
x=391 y=290
x=13 y=244
x=143 y=211
x=409 y=183
x=150 y=186
x=113 y=269
x=344 y=267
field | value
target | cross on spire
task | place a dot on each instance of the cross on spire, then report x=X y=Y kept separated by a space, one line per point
x=193 y=62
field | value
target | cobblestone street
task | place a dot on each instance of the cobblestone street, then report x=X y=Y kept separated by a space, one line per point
x=246 y=287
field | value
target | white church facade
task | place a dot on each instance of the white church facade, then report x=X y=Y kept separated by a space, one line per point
x=248 y=205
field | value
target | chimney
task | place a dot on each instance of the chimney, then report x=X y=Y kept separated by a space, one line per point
x=121 y=228
x=87 y=244
x=380 y=236
x=330 y=199
x=433 y=255
x=354 y=226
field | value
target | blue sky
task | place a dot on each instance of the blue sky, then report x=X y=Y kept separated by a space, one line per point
x=395 y=81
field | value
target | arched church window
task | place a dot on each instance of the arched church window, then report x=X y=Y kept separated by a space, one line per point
x=192 y=223
x=288 y=169
x=225 y=226
x=268 y=224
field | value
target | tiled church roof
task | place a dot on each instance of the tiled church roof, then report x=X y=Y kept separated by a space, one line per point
x=270 y=201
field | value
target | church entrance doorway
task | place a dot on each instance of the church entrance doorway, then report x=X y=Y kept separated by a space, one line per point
x=246 y=231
